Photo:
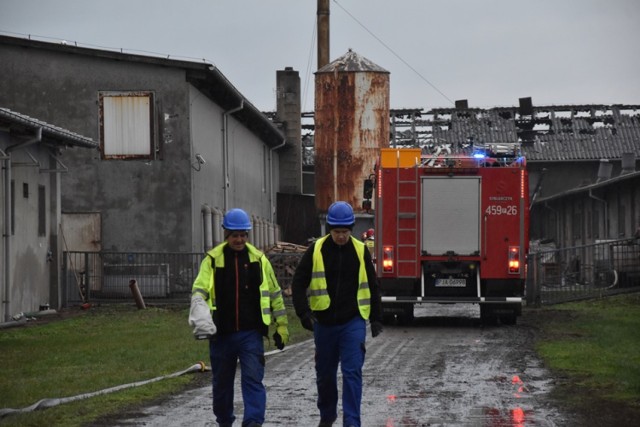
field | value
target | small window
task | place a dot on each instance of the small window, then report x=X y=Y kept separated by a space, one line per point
x=126 y=125
x=622 y=214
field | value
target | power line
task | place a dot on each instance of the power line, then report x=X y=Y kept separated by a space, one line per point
x=309 y=65
x=393 y=52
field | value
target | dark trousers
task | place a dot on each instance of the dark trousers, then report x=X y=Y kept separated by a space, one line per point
x=225 y=351
x=343 y=345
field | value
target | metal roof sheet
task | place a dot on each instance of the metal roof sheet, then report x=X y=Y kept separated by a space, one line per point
x=21 y=122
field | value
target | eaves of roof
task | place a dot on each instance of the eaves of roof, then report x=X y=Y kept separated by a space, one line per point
x=23 y=125
x=204 y=76
x=596 y=186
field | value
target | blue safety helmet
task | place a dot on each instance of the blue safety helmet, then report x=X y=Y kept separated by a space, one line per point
x=340 y=214
x=236 y=219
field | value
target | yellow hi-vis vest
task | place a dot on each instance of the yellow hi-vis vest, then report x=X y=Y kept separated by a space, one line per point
x=270 y=291
x=319 y=297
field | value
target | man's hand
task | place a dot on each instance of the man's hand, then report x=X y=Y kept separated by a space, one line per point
x=376 y=328
x=308 y=320
x=277 y=339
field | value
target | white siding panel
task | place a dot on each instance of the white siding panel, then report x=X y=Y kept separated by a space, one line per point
x=127 y=130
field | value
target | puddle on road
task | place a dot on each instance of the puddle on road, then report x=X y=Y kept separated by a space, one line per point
x=517 y=412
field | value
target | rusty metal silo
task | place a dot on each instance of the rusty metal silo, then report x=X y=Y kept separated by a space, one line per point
x=351 y=125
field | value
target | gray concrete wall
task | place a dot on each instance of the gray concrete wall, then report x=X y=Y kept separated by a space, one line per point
x=145 y=205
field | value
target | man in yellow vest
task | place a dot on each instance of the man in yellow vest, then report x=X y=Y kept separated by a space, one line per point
x=237 y=286
x=335 y=292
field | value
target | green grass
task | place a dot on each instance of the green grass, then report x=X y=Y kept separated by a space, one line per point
x=103 y=347
x=596 y=345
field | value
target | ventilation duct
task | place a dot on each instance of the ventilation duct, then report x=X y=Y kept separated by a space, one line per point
x=628 y=163
x=604 y=171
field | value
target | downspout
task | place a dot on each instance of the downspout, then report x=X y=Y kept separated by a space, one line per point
x=606 y=210
x=7 y=234
x=7 y=219
x=225 y=151
x=206 y=222
x=272 y=207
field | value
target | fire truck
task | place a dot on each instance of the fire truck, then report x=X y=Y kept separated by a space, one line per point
x=451 y=228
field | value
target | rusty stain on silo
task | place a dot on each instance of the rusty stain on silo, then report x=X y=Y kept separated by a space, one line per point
x=351 y=125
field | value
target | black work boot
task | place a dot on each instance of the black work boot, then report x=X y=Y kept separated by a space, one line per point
x=325 y=424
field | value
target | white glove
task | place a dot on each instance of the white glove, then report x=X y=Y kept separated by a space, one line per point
x=200 y=318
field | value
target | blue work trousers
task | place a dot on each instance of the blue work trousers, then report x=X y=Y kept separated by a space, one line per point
x=225 y=351
x=344 y=345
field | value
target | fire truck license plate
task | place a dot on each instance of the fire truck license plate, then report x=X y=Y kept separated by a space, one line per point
x=451 y=283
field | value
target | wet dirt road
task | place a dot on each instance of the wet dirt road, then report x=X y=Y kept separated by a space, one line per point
x=446 y=369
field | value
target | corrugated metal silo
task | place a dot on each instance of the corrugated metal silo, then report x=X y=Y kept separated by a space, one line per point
x=351 y=125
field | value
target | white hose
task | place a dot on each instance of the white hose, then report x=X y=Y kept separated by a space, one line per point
x=48 y=403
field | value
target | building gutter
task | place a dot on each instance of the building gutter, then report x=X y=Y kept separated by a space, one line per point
x=225 y=151
x=272 y=207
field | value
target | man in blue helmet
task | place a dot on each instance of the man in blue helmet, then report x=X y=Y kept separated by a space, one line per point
x=335 y=292
x=235 y=298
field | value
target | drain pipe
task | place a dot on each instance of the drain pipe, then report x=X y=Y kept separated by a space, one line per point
x=606 y=210
x=6 y=159
x=206 y=214
x=225 y=151
x=272 y=207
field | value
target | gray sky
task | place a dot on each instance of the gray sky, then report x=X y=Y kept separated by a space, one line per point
x=491 y=52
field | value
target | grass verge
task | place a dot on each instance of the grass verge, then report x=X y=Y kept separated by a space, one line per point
x=103 y=347
x=594 y=348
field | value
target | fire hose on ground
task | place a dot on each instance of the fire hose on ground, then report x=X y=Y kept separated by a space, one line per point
x=50 y=402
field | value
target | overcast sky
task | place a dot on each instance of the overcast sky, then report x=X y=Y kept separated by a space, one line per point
x=490 y=52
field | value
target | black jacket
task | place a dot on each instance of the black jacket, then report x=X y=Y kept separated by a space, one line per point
x=238 y=294
x=341 y=271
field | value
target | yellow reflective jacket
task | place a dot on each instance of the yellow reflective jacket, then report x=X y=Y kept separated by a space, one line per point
x=319 y=296
x=271 y=301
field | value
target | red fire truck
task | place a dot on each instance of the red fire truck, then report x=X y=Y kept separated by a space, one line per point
x=451 y=229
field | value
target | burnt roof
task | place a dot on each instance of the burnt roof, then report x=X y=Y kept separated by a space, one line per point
x=204 y=76
x=547 y=133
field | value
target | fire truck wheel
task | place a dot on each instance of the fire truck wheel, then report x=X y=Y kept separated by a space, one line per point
x=487 y=316
x=406 y=317
x=509 y=319
x=387 y=319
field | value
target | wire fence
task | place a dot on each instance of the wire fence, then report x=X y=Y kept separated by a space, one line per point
x=582 y=272
x=159 y=277
x=554 y=275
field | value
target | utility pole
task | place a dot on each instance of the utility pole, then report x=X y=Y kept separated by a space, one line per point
x=323 y=32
